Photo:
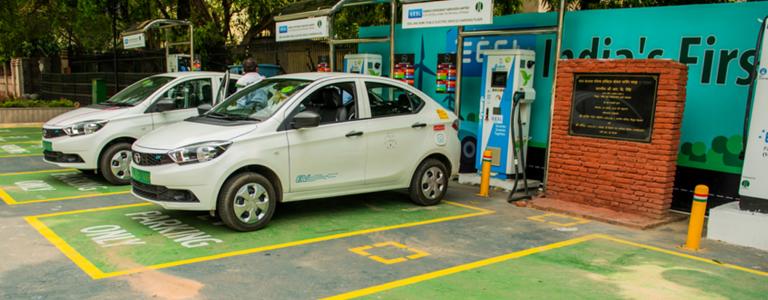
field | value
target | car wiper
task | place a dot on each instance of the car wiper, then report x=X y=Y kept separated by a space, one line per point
x=217 y=115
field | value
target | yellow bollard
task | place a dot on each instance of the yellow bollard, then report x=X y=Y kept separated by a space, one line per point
x=485 y=176
x=696 y=223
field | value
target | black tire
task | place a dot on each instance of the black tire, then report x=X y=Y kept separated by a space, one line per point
x=230 y=194
x=88 y=173
x=105 y=164
x=425 y=193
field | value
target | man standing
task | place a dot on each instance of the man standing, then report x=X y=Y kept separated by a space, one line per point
x=251 y=76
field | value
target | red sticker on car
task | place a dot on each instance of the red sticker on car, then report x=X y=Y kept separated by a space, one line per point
x=438 y=127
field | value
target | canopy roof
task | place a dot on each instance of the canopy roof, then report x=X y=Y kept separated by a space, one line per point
x=318 y=8
x=155 y=23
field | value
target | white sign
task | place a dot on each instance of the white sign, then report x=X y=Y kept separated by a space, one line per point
x=447 y=13
x=134 y=41
x=754 y=176
x=302 y=29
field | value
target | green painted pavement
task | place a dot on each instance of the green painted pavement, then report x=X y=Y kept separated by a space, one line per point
x=20 y=130
x=595 y=269
x=98 y=237
x=53 y=185
x=9 y=138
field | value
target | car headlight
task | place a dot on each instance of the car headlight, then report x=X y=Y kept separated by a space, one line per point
x=86 y=127
x=198 y=152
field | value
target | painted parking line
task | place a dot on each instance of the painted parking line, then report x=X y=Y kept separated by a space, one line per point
x=605 y=264
x=365 y=251
x=53 y=185
x=119 y=240
x=21 y=149
x=558 y=219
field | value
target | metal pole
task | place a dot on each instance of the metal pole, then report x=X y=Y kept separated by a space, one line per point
x=392 y=22
x=558 y=45
x=331 y=46
x=114 y=43
x=191 y=46
x=459 y=55
x=167 y=52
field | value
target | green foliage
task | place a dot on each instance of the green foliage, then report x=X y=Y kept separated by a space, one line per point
x=37 y=103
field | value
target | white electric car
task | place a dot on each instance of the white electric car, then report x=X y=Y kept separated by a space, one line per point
x=296 y=137
x=98 y=138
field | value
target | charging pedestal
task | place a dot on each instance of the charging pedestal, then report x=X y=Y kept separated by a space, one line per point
x=745 y=223
x=505 y=109
x=178 y=63
x=363 y=63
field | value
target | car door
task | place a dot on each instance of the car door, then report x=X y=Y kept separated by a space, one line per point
x=397 y=135
x=330 y=156
x=186 y=95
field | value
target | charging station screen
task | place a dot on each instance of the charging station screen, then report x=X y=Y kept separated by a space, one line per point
x=499 y=79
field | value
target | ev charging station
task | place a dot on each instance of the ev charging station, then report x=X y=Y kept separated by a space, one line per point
x=744 y=222
x=505 y=110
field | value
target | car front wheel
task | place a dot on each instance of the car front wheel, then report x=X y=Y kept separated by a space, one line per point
x=429 y=183
x=115 y=164
x=247 y=202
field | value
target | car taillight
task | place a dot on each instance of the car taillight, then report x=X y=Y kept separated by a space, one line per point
x=455 y=124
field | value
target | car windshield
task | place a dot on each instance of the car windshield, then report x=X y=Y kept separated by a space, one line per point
x=258 y=101
x=138 y=91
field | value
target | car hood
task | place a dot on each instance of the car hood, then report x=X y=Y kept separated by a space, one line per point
x=187 y=133
x=85 y=114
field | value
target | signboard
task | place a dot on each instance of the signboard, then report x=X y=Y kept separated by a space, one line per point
x=302 y=29
x=614 y=106
x=404 y=68
x=447 y=13
x=134 y=41
x=446 y=73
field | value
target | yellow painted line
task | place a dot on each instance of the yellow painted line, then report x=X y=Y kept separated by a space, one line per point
x=518 y=254
x=86 y=265
x=459 y=268
x=7 y=198
x=22 y=125
x=79 y=260
x=20 y=155
x=37 y=172
x=680 y=254
x=387 y=261
x=21 y=142
x=71 y=197
x=80 y=211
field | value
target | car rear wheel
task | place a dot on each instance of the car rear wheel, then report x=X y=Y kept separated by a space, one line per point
x=247 y=202
x=429 y=183
x=115 y=164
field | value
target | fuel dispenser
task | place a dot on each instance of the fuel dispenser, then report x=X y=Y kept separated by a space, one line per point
x=754 y=177
x=505 y=109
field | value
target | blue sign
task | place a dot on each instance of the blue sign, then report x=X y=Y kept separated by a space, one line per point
x=415 y=13
x=283 y=29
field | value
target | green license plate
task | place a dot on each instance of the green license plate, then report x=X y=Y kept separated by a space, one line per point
x=140 y=175
x=47 y=146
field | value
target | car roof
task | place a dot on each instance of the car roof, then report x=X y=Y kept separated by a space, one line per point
x=315 y=76
x=193 y=73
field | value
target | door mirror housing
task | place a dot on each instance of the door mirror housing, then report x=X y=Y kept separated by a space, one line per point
x=305 y=119
x=203 y=108
x=165 y=104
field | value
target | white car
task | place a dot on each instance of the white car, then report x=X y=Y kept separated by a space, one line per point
x=98 y=138
x=296 y=137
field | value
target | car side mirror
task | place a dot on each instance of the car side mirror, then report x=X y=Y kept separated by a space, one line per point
x=165 y=104
x=305 y=119
x=203 y=108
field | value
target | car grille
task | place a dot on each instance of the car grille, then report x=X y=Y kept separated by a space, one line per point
x=161 y=193
x=151 y=159
x=52 y=133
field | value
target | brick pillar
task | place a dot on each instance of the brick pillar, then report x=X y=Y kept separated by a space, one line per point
x=625 y=176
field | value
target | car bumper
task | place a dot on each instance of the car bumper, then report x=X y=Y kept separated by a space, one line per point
x=79 y=152
x=169 y=183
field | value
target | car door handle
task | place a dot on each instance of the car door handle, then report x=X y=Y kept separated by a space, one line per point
x=354 y=133
x=419 y=125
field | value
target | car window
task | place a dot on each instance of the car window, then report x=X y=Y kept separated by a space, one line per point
x=191 y=93
x=335 y=102
x=259 y=100
x=388 y=100
x=137 y=92
x=232 y=87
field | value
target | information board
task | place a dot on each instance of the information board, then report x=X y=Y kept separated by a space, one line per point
x=614 y=105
